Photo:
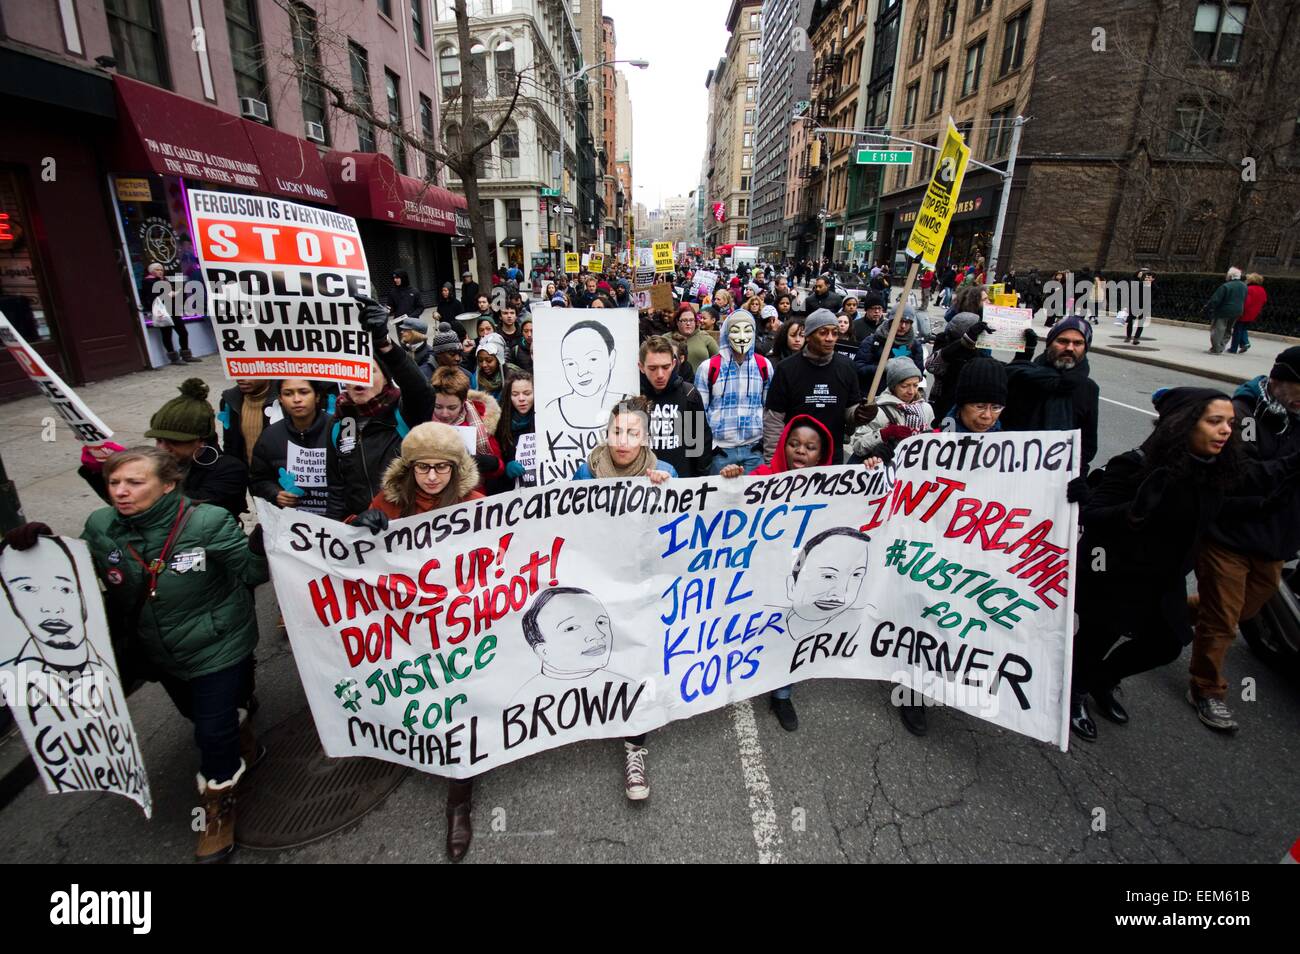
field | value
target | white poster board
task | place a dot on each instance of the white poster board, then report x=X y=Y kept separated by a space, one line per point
x=81 y=420
x=1006 y=330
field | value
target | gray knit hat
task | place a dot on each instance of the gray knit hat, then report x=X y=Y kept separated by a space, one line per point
x=898 y=370
x=819 y=319
x=444 y=340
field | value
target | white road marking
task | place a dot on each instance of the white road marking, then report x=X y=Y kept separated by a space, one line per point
x=762 y=806
x=1131 y=407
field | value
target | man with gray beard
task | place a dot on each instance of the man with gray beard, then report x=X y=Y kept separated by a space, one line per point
x=1053 y=392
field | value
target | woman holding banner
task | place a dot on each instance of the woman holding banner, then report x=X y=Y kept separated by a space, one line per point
x=432 y=471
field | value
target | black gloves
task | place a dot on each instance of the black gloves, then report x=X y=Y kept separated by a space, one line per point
x=374 y=318
x=973 y=333
x=1031 y=339
x=255 y=541
x=376 y=521
x=1078 y=491
x=486 y=464
x=24 y=537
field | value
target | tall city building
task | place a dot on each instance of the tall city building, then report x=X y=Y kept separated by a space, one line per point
x=735 y=102
x=589 y=18
x=612 y=220
x=623 y=148
x=782 y=91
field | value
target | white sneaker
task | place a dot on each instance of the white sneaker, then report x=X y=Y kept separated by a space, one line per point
x=635 y=782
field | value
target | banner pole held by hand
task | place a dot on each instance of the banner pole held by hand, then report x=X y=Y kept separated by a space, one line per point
x=893 y=328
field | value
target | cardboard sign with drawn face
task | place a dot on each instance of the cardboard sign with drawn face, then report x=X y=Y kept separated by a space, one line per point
x=59 y=676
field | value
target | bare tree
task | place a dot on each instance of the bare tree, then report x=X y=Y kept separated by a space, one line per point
x=481 y=120
x=1207 y=118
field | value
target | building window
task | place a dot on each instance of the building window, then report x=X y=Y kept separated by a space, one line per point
x=749 y=117
x=970 y=80
x=1268 y=246
x=948 y=22
x=514 y=219
x=749 y=140
x=753 y=48
x=505 y=66
x=359 y=63
x=927 y=159
x=1187 y=241
x=479 y=133
x=386 y=8
x=1150 y=234
x=393 y=93
x=742 y=208
x=909 y=104
x=488 y=209
x=426 y=133
x=509 y=141
x=938 y=83
x=306 y=57
x=749 y=94
x=964 y=130
x=1013 y=43
x=980 y=6
x=744 y=183
x=246 y=51
x=1216 y=37
x=449 y=70
x=137 y=40
x=1197 y=129
x=922 y=28
x=751 y=70
x=1000 y=126
x=744 y=162
x=478 y=70
x=417 y=22
x=753 y=21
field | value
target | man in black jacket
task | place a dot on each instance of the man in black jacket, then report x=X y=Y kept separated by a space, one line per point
x=1054 y=392
x=1239 y=567
x=403 y=300
x=468 y=295
x=679 y=428
x=823 y=296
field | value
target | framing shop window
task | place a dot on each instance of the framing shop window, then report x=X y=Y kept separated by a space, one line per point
x=1001 y=122
x=306 y=58
x=919 y=33
x=359 y=63
x=449 y=70
x=503 y=59
x=426 y=133
x=1217 y=33
x=393 y=94
x=1150 y=235
x=133 y=28
x=246 y=52
x=938 y=86
x=909 y=103
x=948 y=21
x=1196 y=130
x=970 y=80
x=1014 y=35
x=417 y=23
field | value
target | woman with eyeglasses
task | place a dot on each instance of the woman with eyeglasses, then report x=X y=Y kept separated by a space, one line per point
x=432 y=471
x=980 y=398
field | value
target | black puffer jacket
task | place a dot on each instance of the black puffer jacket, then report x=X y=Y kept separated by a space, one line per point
x=359 y=448
x=272 y=453
x=404 y=300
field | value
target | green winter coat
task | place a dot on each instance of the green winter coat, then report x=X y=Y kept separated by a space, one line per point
x=1227 y=302
x=203 y=619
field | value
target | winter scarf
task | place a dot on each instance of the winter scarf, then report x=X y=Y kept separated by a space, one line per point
x=472 y=418
x=377 y=405
x=602 y=463
x=913 y=415
x=252 y=418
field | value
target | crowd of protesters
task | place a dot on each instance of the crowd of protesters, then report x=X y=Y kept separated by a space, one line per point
x=766 y=369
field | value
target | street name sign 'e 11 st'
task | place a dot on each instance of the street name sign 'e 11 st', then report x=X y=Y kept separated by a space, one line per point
x=884 y=157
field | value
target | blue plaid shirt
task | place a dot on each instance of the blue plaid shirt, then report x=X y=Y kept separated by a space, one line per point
x=734 y=402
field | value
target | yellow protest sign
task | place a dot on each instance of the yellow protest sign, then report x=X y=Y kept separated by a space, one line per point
x=996 y=290
x=940 y=199
x=663 y=256
x=1009 y=300
x=571 y=264
x=596 y=262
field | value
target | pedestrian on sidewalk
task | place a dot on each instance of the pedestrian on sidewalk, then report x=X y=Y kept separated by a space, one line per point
x=432 y=471
x=1256 y=299
x=1225 y=307
x=195 y=632
x=158 y=300
x=1238 y=569
x=1139 y=312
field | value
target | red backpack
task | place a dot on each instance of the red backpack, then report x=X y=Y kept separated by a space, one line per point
x=715 y=368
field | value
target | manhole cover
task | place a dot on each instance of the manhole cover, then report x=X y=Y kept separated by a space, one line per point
x=298 y=795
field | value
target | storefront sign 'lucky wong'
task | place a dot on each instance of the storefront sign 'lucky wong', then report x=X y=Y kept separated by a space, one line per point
x=281 y=279
x=475 y=635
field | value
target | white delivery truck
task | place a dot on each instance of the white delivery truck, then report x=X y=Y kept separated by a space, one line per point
x=743 y=253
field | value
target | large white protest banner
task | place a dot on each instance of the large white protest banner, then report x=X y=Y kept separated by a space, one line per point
x=477 y=634
x=81 y=420
x=584 y=363
x=59 y=675
x=281 y=279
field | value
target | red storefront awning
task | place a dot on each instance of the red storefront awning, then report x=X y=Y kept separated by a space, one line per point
x=175 y=136
x=369 y=186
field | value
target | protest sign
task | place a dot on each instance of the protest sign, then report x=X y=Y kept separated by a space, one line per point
x=473 y=635
x=526 y=454
x=571 y=265
x=641 y=298
x=1007 y=299
x=584 y=363
x=281 y=279
x=703 y=283
x=940 y=199
x=596 y=262
x=1006 y=328
x=81 y=420
x=305 y=470
x=663 y=256
x=661 y=297
x=59 y=677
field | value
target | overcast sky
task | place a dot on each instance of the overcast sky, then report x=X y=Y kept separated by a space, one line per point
x=683 y=41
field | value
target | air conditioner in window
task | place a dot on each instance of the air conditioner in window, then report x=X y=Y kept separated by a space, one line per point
x=315 y=132
x=251 y=108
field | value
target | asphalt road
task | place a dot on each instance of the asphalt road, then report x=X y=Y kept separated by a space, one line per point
x=850 y=785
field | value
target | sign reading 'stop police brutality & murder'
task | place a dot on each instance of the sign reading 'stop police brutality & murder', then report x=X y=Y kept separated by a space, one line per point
x=281 y=281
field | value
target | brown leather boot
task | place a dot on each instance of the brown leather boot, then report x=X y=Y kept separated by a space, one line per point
x=217 y=837
x=460 y=831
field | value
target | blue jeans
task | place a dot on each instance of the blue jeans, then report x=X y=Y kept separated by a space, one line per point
x=783 y=692
x=212 y=703
x=1240 y=337
x=746 y=455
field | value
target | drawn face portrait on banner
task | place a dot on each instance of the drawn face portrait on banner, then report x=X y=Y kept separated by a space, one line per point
x=569 y=630
x=826 y=580
x=588 y=355
x=44 y=591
